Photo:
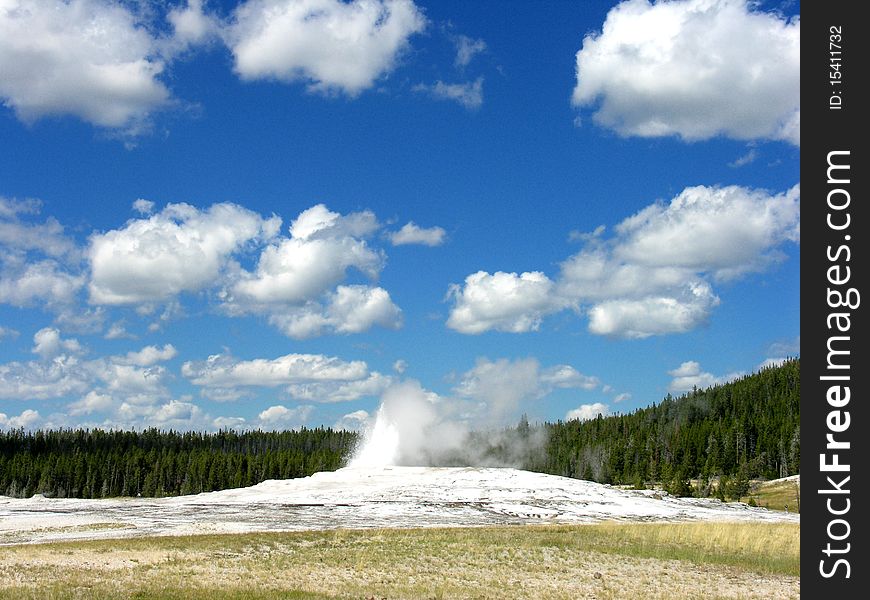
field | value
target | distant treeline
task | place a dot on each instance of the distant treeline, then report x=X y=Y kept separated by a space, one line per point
x=739 y=430
x=727 y=433
x=100 y=464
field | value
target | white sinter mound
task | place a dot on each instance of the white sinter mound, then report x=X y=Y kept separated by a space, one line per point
x=363 y=497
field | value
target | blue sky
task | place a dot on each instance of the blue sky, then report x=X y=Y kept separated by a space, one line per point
x=269 y=213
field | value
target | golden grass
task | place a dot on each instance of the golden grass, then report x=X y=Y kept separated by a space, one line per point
x=776 y=495
x=606 y=561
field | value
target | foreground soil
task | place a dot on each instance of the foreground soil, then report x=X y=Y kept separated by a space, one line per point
x=602 y=561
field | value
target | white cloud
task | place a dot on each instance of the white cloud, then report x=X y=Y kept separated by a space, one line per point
x=695 y=69
x=88 y=58
x=191 y=25
x=226 y=372
x=117 y=331
x=501 y=301
x=296 y=279
x=48 y=343
x=786 y=348
x=653 y=315
x=340 y=391
x=469 y=94
x=281 y=417
x=621 y=397
x=39 y=380
x=350 y=309
x=400 y=366
x=92 y=402
x=466 y=49
x=150 y=355
x=689 y=375
x=331 y=45
x=744 y=159
x=355 y=421
x=61 y=372
x=37 y=260
x=652 y=276
x=229 y=423
x=585 y=412
x=323 y=246
x=566 y=376
x=44 y=281
x=26 y=420
x=20 y=235
x=8 y=332
x=143 y=207
x=411 y=233
x=722 y=230
x=180 y=249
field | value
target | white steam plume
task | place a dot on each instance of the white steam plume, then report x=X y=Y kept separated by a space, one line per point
x=415 y=427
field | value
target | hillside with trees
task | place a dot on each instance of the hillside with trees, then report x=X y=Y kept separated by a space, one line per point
x=729 y=433
x=743 y=429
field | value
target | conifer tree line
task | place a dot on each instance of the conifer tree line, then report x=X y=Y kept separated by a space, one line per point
x=101 y=464
x=727 y=433
x=747 y=428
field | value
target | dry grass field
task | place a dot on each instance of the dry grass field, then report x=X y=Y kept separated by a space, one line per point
x=602 y=561
x=776 y=495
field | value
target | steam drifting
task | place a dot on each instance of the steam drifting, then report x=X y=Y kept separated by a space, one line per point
x=416 y=427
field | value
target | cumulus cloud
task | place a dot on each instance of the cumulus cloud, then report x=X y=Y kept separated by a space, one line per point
x=653 y=315
x=725 y=231
x=150 y=355
x=689 y=375
x=331 y=45
x=312 y=377
x=695 y=69
x=354 y=421
x=350 y=309
x=411 y=233
x=44 y=281
x=622 y=397
x=87 y=58
x=191 y=25
x=117 y=331
x=92 y=402
x=585 y=412
x=179 y=249
x=296 y=279
x=501 y=301
x=38 y=261
x=280 y=417
x=47 y=343
x=340 y=391
x=468 y=95
x=652 y=276
x=26 y=420
x=322 y=247
x=61 y=371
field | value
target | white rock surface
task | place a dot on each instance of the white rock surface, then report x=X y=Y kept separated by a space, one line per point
x=361 y=498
